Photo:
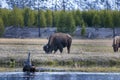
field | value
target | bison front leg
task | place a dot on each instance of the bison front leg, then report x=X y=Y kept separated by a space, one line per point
x=55 y=50
x=115 y=49
x=60 y=47
x=61 y=50
x=68 y=49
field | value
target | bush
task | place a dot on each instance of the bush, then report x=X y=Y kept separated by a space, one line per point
x=83 y=30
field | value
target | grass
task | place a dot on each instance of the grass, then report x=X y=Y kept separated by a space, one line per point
x=86 y=55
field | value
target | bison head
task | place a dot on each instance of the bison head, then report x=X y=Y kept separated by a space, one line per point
x=47 y=48
x=115 y=48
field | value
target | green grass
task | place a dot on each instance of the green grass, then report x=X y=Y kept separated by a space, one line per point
x=86 y=55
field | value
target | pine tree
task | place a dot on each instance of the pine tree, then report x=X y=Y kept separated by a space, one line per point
x=49 y=18
x=116 y=18
x=61 y=24
x=20 y=18
x=88 y=17
x=26 y=16
x=78 y=18
x=66 y=22
x=70 y=23
x=42 y=19
x=1 y=27
x=108 y=19
x=102 y=18
x=96 y=21
x=31 y=19
x=4 y=15
x=56 y=18
x=83 y=30
x=16 y=17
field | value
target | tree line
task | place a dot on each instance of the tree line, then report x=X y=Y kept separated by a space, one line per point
x=64 y=21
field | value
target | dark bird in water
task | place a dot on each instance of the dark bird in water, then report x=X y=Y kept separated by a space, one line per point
x=28 y=66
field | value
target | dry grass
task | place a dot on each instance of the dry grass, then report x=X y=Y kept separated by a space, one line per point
x=85 y=54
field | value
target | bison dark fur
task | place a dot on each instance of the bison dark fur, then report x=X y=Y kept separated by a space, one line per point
x=58 y=41
x=116 y=43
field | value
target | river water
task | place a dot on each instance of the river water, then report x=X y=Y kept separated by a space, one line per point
x=59 y=76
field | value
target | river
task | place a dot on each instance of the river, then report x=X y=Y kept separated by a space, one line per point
x=59 y=76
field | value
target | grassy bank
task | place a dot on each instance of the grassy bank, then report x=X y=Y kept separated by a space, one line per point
x=86 y=55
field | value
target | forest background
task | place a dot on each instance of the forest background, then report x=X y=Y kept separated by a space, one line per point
x=64 y=21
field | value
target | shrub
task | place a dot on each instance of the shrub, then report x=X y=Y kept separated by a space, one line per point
x=83 y=30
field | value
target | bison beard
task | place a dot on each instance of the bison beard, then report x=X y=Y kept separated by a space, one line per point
x=116 y=43
x=58 y=41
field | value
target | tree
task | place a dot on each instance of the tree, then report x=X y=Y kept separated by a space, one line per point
x=5 y=16
x=102 y=18
x=66 y=22
x=108 y=19
x=83 y=30
x=61 y=22
x=20 y=18
x=88 y=17
x=116 y=19
x=56 y=18
x=29 y=17
x=16 y=17
x=1 y=27
x=78 y=18
x=49 y=18
x=41 y=19
x=26 y=16
x=96 y=21
x=70 y=23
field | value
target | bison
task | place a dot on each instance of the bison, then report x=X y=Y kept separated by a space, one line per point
x=58 y=41
x=116 y=43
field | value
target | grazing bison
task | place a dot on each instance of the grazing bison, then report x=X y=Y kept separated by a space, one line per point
x=116 y=43
x=58 y=41
x=28 y=66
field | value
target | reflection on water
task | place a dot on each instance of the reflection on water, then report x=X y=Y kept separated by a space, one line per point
x=59 y=76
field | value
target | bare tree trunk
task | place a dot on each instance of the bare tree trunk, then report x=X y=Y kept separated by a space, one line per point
x=114 y=32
